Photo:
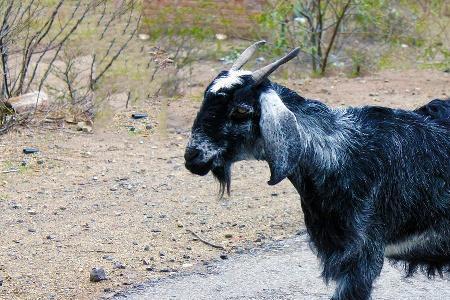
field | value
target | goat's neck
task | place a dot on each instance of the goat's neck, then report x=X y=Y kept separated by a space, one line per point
x=327 y=134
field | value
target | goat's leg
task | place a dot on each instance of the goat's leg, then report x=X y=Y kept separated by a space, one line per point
x=355 y=277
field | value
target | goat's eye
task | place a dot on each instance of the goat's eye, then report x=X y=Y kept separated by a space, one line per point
x=240 y=113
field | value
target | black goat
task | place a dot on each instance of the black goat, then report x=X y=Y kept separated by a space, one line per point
x=374 y=181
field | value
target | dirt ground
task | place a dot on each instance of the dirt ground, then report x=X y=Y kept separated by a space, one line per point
x=121 y=197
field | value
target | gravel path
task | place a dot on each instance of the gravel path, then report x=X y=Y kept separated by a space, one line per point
x=287 y=270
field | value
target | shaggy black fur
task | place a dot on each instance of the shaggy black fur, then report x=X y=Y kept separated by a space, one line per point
x=373 y=181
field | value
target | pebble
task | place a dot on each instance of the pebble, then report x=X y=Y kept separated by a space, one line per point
x=147 y=248
x=1 y=281
x=32 y=230
x=228 y=235
x=118 y=265
x=108 y=257
x=223 y=256
x=16 y=205
x=30 y=150
x=139 y=116
x=32 y=212
x=97 y=275
x=50 y=237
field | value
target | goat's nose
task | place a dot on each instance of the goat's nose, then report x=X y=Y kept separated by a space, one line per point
x=191 y=153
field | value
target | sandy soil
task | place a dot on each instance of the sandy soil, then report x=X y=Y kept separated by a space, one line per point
x=93 y=200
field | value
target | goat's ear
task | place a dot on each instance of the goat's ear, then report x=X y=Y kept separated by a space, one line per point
x=281 y=137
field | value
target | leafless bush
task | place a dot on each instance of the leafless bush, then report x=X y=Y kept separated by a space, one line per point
x=37 y=45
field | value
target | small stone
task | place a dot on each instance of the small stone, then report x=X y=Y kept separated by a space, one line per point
x=228 y=235
x=150 y=269
x=30 y=150
x=145 y=262
x=135 y=243
x=223 y=256
x=113 y=189
x=155 y=230
x=83 y=126
x=32 y=230
x=147 y=248
x=15 y=205
x=149 y=126
x=32 y=212
x=50 y=237
x=166 y=270
x=97 y=275
x=40 y=162
x=1 y=281
x=137 y=116
x=108 y=257
x=118 y=265
x=162 y=254
x=107 y=290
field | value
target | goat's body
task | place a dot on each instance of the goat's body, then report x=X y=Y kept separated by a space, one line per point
x=373 y=181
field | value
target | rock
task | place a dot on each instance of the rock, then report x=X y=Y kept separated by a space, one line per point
x=97 y=275
x=50 y=237
x=32 y=212
x=84 y=126
x=32 y=230
x=118 y=265
x=108 y=257
x=223 y=256
x=228 y=235
x=28 y=103
x=15 y=205
x=149 y=126
x=137 y=116
x=166 y=270
x=30 y=150
x=143 y=36
x=147 y=248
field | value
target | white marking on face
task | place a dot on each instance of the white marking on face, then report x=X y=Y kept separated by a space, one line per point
x=233 y=78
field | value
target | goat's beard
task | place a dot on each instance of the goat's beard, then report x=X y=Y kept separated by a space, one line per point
x=223 y=175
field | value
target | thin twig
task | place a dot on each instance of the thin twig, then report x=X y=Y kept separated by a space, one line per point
x=205 y=241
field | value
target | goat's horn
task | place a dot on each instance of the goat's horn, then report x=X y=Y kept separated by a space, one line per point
x=264 y=72
x=246 y=55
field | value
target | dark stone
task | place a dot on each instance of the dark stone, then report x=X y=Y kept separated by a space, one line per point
x=30 y=150
x=224 y=256
x=97 y=275
x=137 y=116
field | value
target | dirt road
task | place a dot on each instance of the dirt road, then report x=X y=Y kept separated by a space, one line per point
x=285 y=270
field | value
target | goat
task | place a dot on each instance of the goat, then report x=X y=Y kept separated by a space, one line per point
x=374 y=182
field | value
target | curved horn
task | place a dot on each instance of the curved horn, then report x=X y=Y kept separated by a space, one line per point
x=264 y=72
x=246 y=55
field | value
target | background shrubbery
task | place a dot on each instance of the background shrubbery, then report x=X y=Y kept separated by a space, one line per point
x=89 y=55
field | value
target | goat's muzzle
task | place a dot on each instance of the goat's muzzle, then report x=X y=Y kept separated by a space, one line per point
x=195 y=162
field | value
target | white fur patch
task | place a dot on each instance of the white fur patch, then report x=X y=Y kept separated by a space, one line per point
x=407 y=245
x=233 y=78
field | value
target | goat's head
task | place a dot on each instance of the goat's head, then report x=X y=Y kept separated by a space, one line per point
x=241 y=117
